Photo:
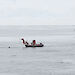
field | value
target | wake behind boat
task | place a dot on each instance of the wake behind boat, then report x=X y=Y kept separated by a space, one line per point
x=33 y=44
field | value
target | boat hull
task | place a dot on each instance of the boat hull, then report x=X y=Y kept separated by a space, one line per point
x=34 y=45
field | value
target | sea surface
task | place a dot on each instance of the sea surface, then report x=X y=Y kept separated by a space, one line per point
x=57 y=57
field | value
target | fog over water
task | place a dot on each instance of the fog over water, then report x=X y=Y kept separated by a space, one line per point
x=57 y=57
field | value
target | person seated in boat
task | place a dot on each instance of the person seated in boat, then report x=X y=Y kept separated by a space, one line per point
x=27 y=43
x=33 y=42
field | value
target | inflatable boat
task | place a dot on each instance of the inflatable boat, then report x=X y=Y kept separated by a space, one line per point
x=28 y=45
x=40 y=45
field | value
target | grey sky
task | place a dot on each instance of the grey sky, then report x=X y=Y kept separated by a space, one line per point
x=37 y=12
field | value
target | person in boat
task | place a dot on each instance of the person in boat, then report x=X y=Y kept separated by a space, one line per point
x=27 y=43
x=40 y=43
x=33 y=42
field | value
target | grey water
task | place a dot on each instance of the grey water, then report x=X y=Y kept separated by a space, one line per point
x=57 y=57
